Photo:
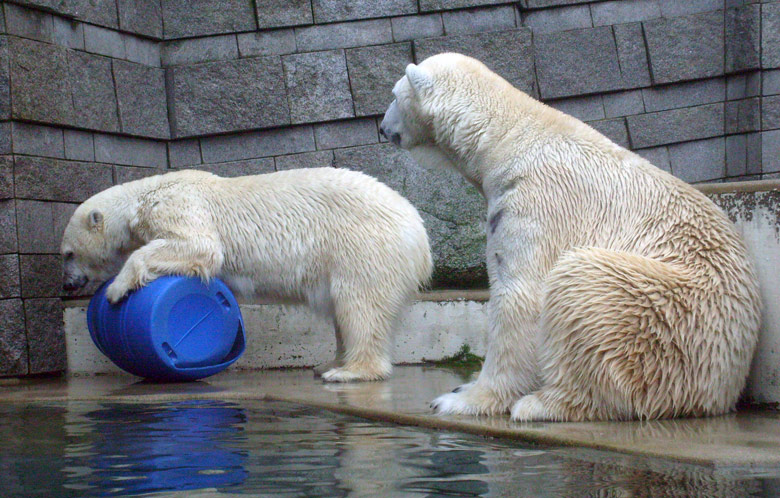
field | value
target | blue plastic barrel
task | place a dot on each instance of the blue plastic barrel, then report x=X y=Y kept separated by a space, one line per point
x=173 y=329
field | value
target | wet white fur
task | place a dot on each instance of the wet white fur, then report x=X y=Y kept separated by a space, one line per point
x=338 y=240
x=617 y=291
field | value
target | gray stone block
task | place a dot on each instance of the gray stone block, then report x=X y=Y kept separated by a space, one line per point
x=685 y=48
x=770 y=35
x=67 y=33
x=257 y=144
x=699 y=161
x=632 y=55
x=240 y=168
x=508 y=53
x=754 y=165
x=584 y=108
x=736 y=155
x=676 y=125
x=34 y=140
x=740 y=86
x=130 y=151
x=318 y=86
x=210 y=17
x=142 y=51
x=623 y=103
x=343 y=35
x=675 y=8
x=319 y=159
x=479 y=20
x=28 y=23
x=226 y=96
x=458 y=241
x=124 y=174
x=9 y=276
x=41 y=275
x=103 y=13
x=273 y=13
x=58 y=180
x=40 y=85
x=620 y=12
x=743 y=115
x=8 y=236
x=770 y=112
x=5 y=137
x=104 y=41
x=770 y=151
x=141 y=16
x=79 y=145
x=414 y=27
x=5 y=91
x=41 y=225
x=373 y=71
x=92 y=87
x=743 y=38
x=13 y=340
x=6 y=177
x=346 y=133
x=195 y=50
x=346 y=10
x=770 y=82
x=429 y=5
x=577 y=62
x=45 y=335
x=613 y=129
x=263 y=43
x=183 y=153
x=684 y=95
x=562 y=19
x=140 y=92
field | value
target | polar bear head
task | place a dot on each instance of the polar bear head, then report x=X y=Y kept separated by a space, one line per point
x=96 y=241
x=442 y=108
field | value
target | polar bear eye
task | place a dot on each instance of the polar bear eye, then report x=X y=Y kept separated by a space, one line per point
x=68 y=255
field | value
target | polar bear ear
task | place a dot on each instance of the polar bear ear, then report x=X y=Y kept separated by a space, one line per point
x=420 y=79
x=95 y=219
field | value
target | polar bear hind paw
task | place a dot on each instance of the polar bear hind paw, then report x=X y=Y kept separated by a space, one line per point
x=530 y=409
x=343 y=374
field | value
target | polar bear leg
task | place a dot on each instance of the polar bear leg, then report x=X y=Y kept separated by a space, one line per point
x=338 y=361
x=510 y=368
x=365 y=327
x=194 y=258
x=613 y=349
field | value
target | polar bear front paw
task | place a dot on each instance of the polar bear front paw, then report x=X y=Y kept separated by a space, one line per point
x=453 y=404
x=117 y=291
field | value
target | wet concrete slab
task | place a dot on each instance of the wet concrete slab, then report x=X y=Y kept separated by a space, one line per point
x=740 y=440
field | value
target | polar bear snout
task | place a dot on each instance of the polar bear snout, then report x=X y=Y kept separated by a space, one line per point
x=390 y=128
x=72 y=277
x=72 y=283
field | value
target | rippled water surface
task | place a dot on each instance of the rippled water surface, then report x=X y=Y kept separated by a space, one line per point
x=210 y=449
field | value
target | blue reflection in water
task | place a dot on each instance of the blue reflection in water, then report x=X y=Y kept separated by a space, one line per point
x=178 y=446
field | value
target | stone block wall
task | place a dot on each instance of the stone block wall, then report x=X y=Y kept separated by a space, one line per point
x=99 y=92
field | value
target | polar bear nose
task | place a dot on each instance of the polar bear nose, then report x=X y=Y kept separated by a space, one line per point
x=382 y=131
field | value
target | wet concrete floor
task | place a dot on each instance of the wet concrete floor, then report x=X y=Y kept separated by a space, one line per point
x=746 y=439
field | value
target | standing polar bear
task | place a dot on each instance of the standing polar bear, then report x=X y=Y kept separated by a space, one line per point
x=339 y=240
x=617 y=291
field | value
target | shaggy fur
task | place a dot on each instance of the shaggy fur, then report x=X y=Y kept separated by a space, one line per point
x=339 y=240
x=617 y=291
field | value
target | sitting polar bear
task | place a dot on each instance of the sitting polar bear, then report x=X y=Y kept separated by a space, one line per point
x=339 y=240
x=617 y=291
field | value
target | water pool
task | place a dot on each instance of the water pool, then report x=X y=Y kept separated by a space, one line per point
x=217 y=448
